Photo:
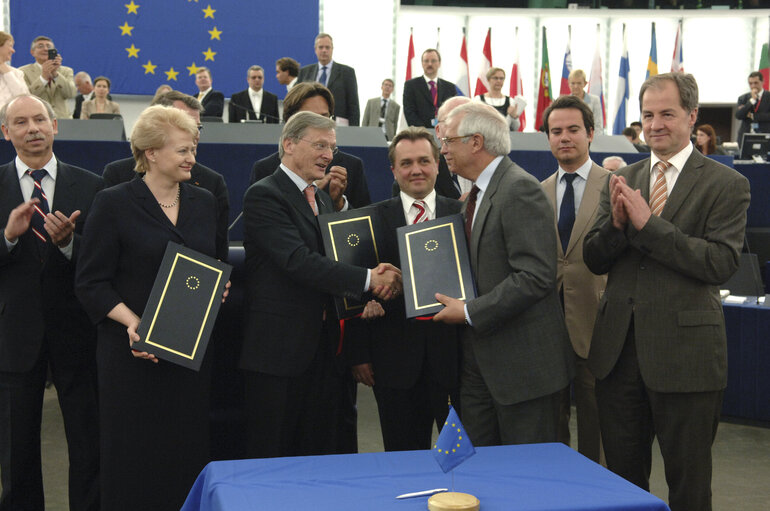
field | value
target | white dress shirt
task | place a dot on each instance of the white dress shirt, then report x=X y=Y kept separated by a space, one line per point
x=410 y=213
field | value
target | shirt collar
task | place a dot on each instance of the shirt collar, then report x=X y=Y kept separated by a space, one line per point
x=583 y=171
x=51 y=167
x=678 y=160
x=298 y=181
x=430 y=202
x=427 y=80
x=255 y=94
x=486 y=175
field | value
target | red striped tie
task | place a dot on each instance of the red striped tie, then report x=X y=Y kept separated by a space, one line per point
x=422 y=214
x=37 y=221
x=659 y=191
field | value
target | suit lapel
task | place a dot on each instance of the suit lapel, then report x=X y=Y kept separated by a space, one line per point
x=549 y=187
x=588 y=205
x=148 y=203
x=11 y=189
x=482 y=209
x=295 y=197
x=687 y=179
x=334 y=75
x=65 y=190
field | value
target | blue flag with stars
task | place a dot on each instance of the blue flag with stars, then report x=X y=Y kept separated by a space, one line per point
x=453 y=445
x=142 y=44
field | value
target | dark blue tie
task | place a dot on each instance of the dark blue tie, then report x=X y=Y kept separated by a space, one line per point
x=567 y=212
x=41 y=210
x=323 y=76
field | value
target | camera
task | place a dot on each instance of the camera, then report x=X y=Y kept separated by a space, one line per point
x=52 y=54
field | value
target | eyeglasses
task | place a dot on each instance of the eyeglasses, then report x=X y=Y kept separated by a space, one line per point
x=449 y=140
x=322 y=146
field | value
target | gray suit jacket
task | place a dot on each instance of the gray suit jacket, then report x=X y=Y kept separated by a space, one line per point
x=64 y=88
x=344 y=87
x=666 y=277
x=581 y=289
x=372 y=115
x=518 y=334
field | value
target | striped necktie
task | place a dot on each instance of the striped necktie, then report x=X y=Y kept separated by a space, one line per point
x=659 y=191
x=37 y=221
x=422 y=211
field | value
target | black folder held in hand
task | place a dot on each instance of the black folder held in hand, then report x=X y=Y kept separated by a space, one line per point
x=351 y=237
x=183 y=305
x=434 y=259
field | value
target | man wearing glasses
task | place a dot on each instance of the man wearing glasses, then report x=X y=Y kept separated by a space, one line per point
x=293 y=388
x=121 y=171
x=48 y=79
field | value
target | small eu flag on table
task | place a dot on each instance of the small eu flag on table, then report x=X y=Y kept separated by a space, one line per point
x=453 y=445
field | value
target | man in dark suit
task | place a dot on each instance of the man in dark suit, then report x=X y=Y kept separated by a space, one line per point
x=754 y=108
x=573 y=191
x=668 y=232
x=213 y=101
x=412 y=365
x=425 y=94
x=291 y=332
x=314 y=97
x=42 y=324
x=254 y=102
x=338 y=78
x=121 y=171
x=516 y=356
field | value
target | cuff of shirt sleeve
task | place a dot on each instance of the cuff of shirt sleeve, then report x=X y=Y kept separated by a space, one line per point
x=467 y=316
x=368 y=279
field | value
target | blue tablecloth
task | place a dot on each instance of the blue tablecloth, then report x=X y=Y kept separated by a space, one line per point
x=748 y=354
x=524 y=477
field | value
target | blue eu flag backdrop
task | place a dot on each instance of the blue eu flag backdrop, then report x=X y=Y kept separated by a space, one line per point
x=141 y=44
x=453 y=445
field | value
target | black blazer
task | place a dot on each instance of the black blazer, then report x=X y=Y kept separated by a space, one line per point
x=213 y=104
x=444 y=186
x=121 y=171
x=240 y=106
x=344 y=87
x=357 y=191
x=396 y=346
x=418 y=105
x=289 y=280
x=36 y=290
x=761 y=116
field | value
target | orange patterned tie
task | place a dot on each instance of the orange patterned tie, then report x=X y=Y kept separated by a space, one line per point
x=310 y=197
x=659 y=191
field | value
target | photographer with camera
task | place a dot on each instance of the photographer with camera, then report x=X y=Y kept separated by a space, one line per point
x=48 y=79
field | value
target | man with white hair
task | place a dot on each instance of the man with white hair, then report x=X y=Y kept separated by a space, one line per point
x=613 y=163
x=516 y=352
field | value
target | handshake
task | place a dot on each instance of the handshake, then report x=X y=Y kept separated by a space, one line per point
x=385 y=282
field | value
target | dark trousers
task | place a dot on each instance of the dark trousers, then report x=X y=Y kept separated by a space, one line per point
x=407 y=415
x=489 y=422
x=296 y=415
x=21 y=405
x=630 y=415
x=589 y=438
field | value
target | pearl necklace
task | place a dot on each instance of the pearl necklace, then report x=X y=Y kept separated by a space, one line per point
x=176 y=201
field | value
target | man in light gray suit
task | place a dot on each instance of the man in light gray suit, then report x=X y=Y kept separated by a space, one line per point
x=574 y=191
x=383 y=111
x=669 y=231
x=516 y=352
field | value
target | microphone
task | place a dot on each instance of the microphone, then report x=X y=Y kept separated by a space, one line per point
x=263 y=117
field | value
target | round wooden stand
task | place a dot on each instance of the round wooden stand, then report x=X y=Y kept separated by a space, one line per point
x=453 y=501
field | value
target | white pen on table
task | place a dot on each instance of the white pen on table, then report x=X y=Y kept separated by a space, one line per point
x=421 y=493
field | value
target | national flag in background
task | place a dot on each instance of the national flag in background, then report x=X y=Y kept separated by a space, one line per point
x=677 y=61
x=410 y=55
x=652 y=61
x=453 y=445
x=566 y=68
x=516 y=88
x=621 y=97
x=463 y=82
x=134 y=43
x=595 y=85
x=438 y=49
x=482 y=84
x=544 y=96
x=764 y=66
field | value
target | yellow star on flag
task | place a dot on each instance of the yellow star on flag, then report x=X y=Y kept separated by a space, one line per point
x=193 y=69
x=208 y=12
x=215 y=33
x=132 y=8
x=209 y=54
x=133 y=51
x=125 y=29
x=149 y=68
x=171 y=74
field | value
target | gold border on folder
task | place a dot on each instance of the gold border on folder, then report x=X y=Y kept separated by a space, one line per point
x=368 y=220
x=450 y=226
x=205 y=317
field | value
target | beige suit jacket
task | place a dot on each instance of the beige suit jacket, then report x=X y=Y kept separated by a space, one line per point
x=372 y=115
x=89 y=107
x=582 y=289
x=56 y=94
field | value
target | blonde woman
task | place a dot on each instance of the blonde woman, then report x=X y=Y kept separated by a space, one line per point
x=12 y=81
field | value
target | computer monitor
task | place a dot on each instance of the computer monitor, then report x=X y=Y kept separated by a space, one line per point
x=755 y=145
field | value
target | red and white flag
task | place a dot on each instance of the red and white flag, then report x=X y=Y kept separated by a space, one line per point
x=595 y=83
x=482 y=85
x=677 y=62
x=463 y=82
x=516 y=87
x=410 y=56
